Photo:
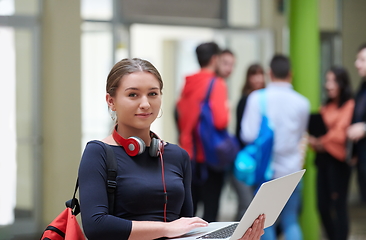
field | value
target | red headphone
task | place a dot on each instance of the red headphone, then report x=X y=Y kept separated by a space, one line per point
x=135 y=145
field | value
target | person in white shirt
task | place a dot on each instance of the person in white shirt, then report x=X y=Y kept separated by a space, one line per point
x=288 y=113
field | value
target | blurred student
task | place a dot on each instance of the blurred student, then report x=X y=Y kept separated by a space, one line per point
x=288 y=113
x=254 y=80
x=333 y=172
x=206 y=182
x=226 y=63
x=357 y=131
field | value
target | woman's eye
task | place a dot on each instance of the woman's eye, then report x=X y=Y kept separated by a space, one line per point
x=153 y=94
x=132 y=95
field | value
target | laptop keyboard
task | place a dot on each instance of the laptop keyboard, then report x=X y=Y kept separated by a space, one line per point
x=221 y=233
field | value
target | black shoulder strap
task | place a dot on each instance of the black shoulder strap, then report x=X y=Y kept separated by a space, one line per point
x=73 y=203
x=111 y=177
x=111 y=182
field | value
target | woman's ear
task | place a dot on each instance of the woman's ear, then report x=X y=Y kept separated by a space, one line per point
x=110 y=102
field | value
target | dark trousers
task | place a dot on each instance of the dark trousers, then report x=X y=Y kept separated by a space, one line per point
x=361 y=169
x=208 y=192
x=332 y=193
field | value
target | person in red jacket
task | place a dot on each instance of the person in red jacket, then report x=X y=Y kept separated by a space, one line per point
x=206 y=182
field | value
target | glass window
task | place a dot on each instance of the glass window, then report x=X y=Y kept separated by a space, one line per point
x=7 y=127
x=24 y=124
x=19 y=7
x=96 y=58
x=7 y=7
x=19 y=123
x=96 y=9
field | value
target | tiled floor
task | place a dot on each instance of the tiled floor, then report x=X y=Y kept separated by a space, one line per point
x=358 y=221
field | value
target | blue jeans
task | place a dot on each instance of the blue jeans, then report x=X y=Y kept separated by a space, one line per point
x=288 y=219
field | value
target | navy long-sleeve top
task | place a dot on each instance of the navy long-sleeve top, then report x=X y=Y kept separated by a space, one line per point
x=140 y=193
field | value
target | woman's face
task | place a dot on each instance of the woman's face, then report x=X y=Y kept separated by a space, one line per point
x=360 y=63
x=137 y=101
x=257 y=81
x=331 y=86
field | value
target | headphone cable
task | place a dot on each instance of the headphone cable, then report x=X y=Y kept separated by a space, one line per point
x=164 y=186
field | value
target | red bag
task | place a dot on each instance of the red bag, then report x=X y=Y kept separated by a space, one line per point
x=65 y=226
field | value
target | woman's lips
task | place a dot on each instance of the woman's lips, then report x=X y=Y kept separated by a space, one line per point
x=143 y=115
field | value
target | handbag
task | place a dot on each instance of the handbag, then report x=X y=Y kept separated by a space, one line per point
x=219 y=146
x=253 y=163
x=65 y=226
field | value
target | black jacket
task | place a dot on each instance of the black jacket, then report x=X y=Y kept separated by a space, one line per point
x=359 y=115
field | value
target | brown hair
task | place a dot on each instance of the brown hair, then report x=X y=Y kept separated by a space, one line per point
x=128 y=66
x=362 y=47
x=252 y=70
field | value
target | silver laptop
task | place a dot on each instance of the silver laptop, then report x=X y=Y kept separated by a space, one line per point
x=270 y=199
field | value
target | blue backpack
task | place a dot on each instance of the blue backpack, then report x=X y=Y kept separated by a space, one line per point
x=253 y=163
x=219 y=146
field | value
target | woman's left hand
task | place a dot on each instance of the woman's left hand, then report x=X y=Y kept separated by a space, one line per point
x=256 y=230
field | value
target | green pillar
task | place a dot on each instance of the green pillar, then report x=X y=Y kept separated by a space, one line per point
x=305 y=58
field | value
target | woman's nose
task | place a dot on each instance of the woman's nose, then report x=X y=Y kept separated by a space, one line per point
x=144 y=103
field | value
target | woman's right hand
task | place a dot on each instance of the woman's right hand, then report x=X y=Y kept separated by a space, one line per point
x=183 y=225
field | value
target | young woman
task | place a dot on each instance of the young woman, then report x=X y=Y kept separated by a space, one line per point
x=146 y=176
x=333 y=172
x=254 y=80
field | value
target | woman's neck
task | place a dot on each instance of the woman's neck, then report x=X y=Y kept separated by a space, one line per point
x=335 y=100
x=127 y=132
